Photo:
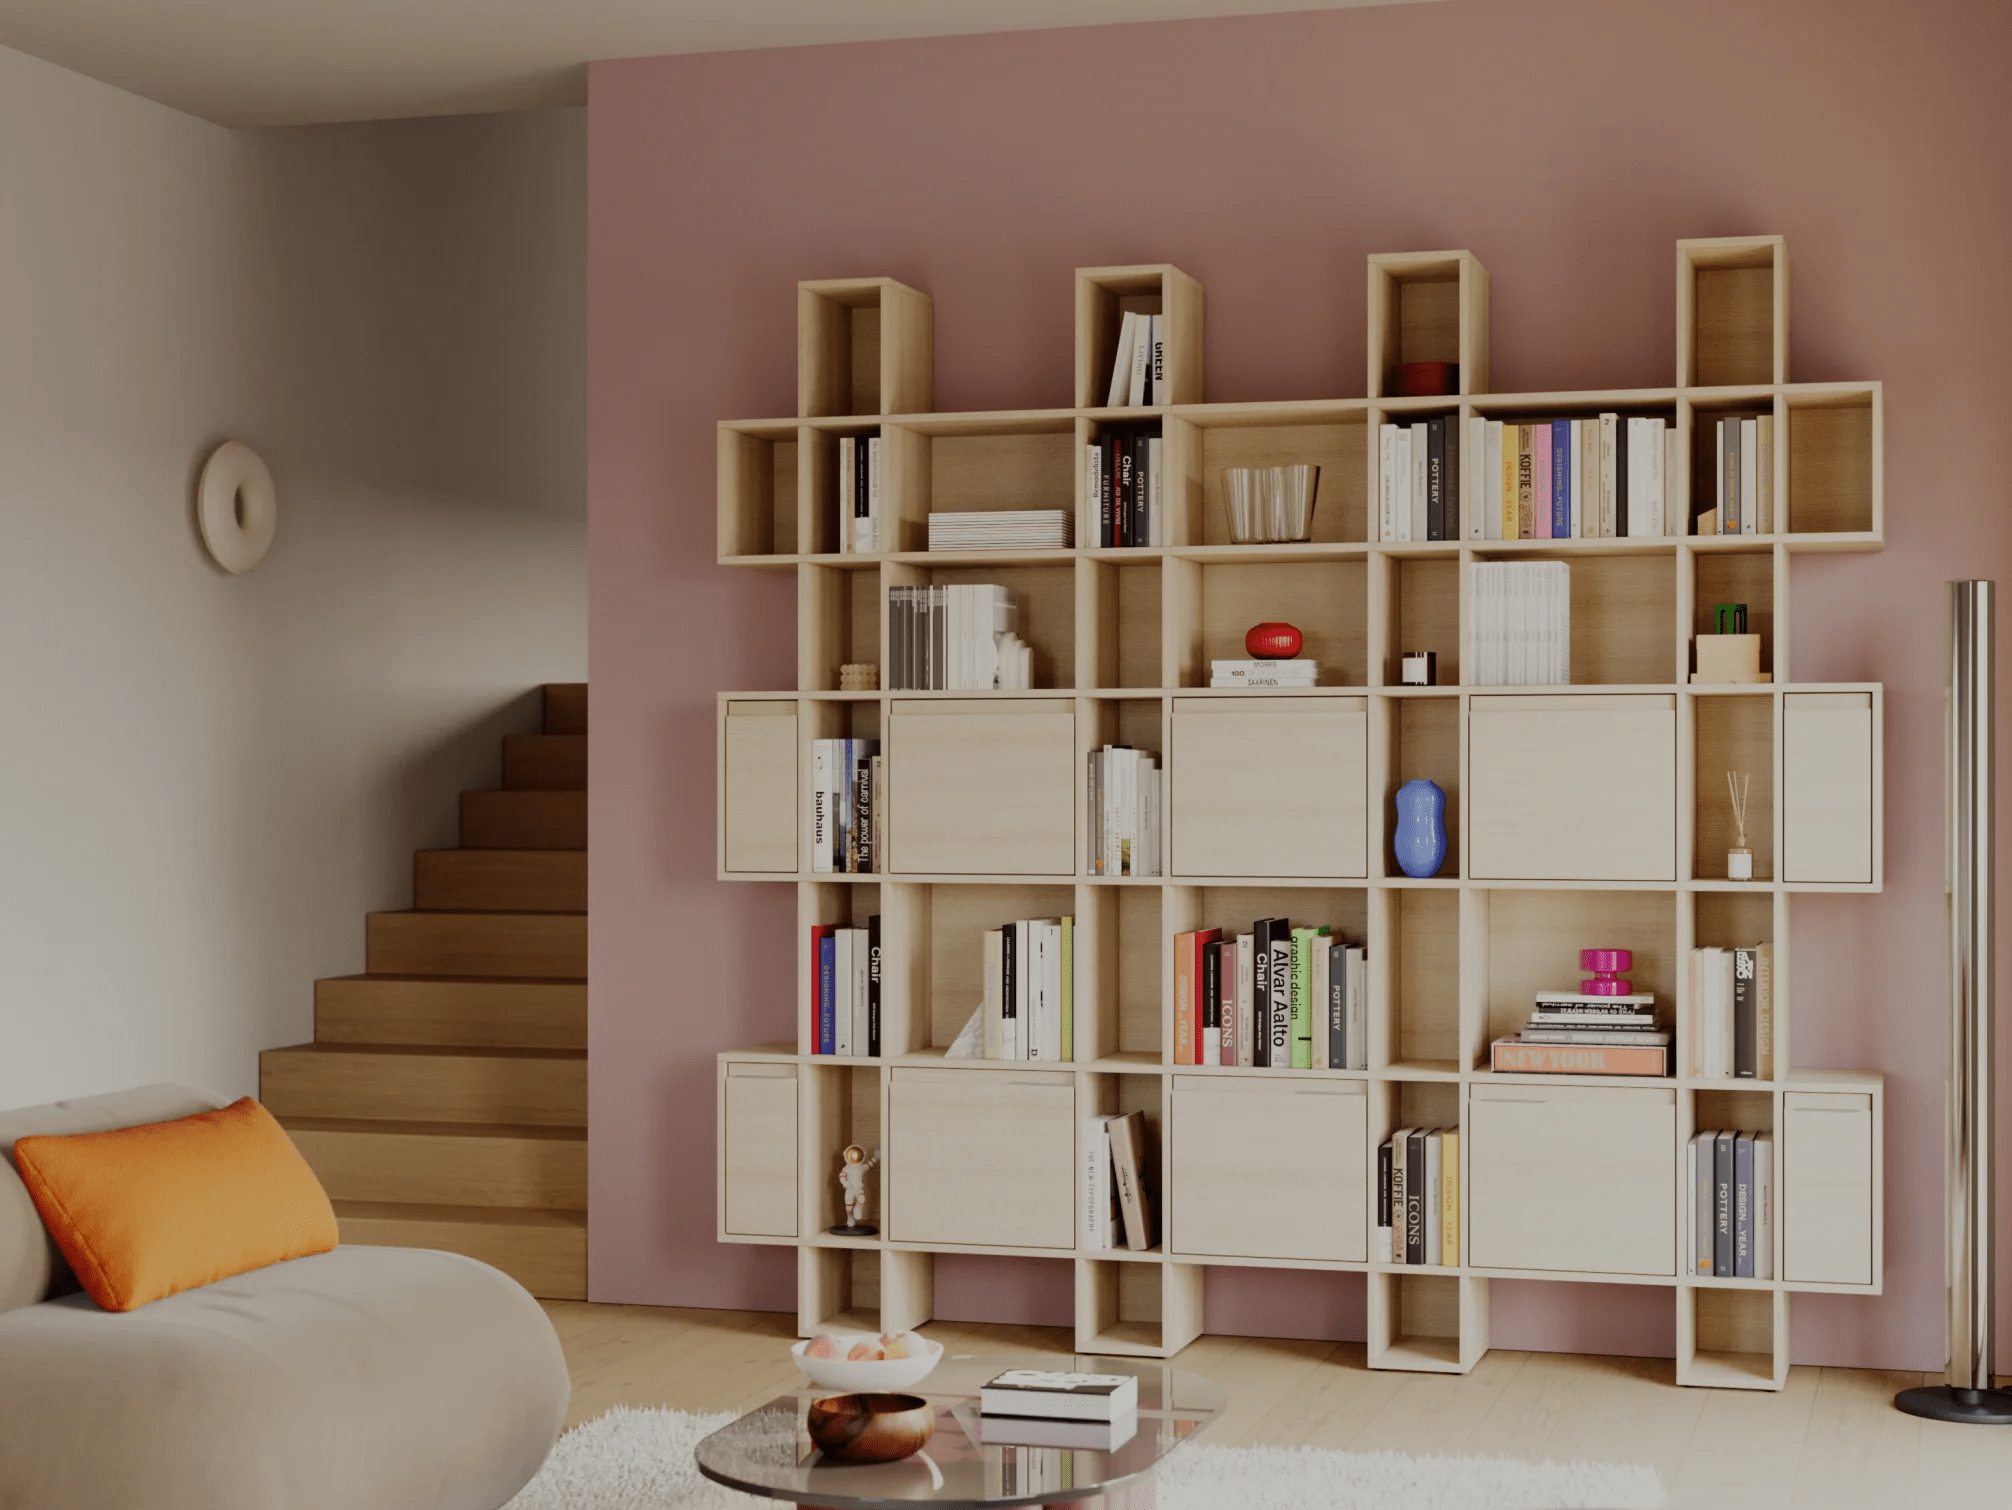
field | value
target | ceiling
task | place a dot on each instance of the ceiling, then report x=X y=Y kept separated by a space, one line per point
x=289 y=62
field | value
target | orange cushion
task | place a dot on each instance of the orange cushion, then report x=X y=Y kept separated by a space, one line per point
x=147 y=1211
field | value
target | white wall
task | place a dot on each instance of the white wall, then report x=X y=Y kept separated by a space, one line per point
x=205 y=781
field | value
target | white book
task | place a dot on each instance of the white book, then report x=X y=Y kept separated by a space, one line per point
x=1674 y=518
x=1094 y=1207
x=1142 y=357
x=1491 y=483
x=1749 y=477
x=1631 y=485
x=993 y=1006
x=848 y=483
x=1156 y=376
x=1128 y=813
x=1386 y=485
x=1092 y=529
x=1121 y=361
x=1763 y=1205
x=842 y=982
x=1719 y=473
x=862 y=1000
x=872 y=543
x=1322 y=951
x=1589 y=469
x=1727 y=1037
x=1400 y=485
x=1036 y=1022
x=1155 y=505
x=1421 y=466
x=821 y=815
x=1577 y=491
x=1246 y=1049
x=1051 y=989
x=1434 y=1227
x=1764 y=474
x=1474 y=481
x=1653 y=432
x=1610 y=440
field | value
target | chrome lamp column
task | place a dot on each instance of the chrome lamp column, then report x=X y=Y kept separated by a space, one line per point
x=1968 y=1395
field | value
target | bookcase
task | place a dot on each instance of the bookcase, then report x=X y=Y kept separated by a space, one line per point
x=1588 y=815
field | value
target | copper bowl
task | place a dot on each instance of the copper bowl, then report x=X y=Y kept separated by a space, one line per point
x=871 y=1428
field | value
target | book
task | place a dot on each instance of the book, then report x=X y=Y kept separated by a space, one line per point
x=1613 y=1036
x=1246 y=1051
x=1702 y=1186
x=1383 y=1177
x=1156 y=367
x=1209 y=1012
x=1420 y=465
x=873 y=986
x=1477 y=496
x=1320 y=957
x=1261 y=932
x=1489 y=503
x=1764 y=1205
x=1722 y=1204
x=821 y=989
x=1435 y=479
x=1513 y=1055
x=1743 y=1206
x=862 y=992
x=1449 y=1184
x=1540 y=481
x=1746 y=1023
x=1121 y=362
x=1561 y=479
x=1337 y=1006
x=1399 y=1146
x=1432 y=1207
x=1011 y=993
x=1059 y=1396
x=1068 y=988
x=1455 y=475
x=1301 y=986
x=842 y=987
x=1358 y=1008
x=1096 y=1205
x=1414 y=1197
x=1386 y=482
x=1032 y=1431
x=1127 y=1136
x=1142 y=359
x=1526 y=484
x=847 y=489
x=1749 y=464
x=1279 y=970
x=1764 y=474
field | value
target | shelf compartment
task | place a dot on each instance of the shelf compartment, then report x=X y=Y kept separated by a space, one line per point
x=837 y=621
x=1212 y=605
x=841 y=1107
x=837 y=1290
x=1118 y=978
x=945 y=929
x=1268 y=786
x=982 y=787
x=1422 y=612
x=758 y=760
x=1343 y=911
x=1424 y=744
x=1417 y=982
x=1266 y=1168
x=1732 y=311
x=1623 y=607
x=1427 y=307
x=758 y=1184
x=758 y=466
x=864 y=346
x=1046 y=595
x=1707 y=463
x=1118 y=640
x=1733 y=577
x=1337 y=444
x=1835 y=462
x=982 y=1161
x=1089 y=510
x=1532 y=940
x=1105 y=295
x=1732 y=1338
x=1831 y=1189
x=840 y=902
x=1733 y=734
x=1028 y=462
x=1137 y=1310
x=1109 y=1095
x=1427 y=1322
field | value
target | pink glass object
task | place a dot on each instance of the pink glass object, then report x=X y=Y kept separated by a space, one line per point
x=1606 y=966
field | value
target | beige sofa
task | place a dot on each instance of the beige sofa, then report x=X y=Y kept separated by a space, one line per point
x=360 y=1379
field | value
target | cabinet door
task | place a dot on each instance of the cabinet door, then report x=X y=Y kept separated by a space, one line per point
x=1827 y=786
x=1263 y=1170
x=758 y=780
x=1574 y=1178
x=982 y=1157
x=1269 y=787
x=758 y=1150
x=1826 y=1205
x=1573 y=788
x=979 y=788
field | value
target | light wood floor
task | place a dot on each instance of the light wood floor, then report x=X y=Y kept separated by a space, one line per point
x=1831 y=1439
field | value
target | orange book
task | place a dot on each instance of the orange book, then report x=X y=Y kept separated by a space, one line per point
x=1512 y=1054
x=1184 y=998
x=1511 y=519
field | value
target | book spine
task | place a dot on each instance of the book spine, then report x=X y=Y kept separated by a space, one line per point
x=1623 y=475
x=1184 y=992
x=1561 y=480
x=1261 y=992
x=1526 y=523
x=1096 y=1175
x=1121 y=362
x=1156 y=376
x=842 y=978
x=995 y=993
x=1608 y=445
x=1383 y=1178
x=1155 y=503
x=1400 y=485
x=1421 y=462
x=1577 y=467
x=1069 y=988
x=1655 y=475
x=1490 y=500
x=1337 y=1006
x=1092 y=524
x=1094 y=829
x=873 y=474
x=1414 y=1198
x=1722 y=1205
x=1764 y=1206
x=827 y=994
x=1399 y=1175
x=862 y=805
x=1246 y=997
x=1281 y=998
x=846 y=492
x=1142 y=356
x=817 y=933
x=1541 y=503
x=1746 y=1019
x=1449 y=1183
x=1127 y=1143
x=1211 y=1034
x=1009 y=992
x=1749 y=477
x=1575 y=1059
x=1432 y=1208
x=1764 y=1011
x=1316 y=997
x=1475 y=494
x=1702 y=1187
x=1743 y=1206
x=1764 y=475
x=1386 y=499
x=1358 y=1008
x=873 y=986
x=1435 y=479
x=1457 y=495
x=820 y=807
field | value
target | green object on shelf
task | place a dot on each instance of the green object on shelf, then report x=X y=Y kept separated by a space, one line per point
x=1732 y=617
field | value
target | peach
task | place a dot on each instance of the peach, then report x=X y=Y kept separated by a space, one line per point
x=903 y=1345
x=821 y=1347
x=865 y=1352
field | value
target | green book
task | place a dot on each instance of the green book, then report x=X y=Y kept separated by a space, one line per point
x=1302 y=995
x=1068 y=988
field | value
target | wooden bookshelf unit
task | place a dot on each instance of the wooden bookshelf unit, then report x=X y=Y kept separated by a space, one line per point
x=1281 y=804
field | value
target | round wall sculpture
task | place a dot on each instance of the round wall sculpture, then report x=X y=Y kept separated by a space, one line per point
x=235 y=507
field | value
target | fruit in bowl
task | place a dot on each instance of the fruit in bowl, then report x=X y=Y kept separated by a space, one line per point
x=861 y=1361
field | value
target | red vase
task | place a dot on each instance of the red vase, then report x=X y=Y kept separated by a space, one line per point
x=1273 y=642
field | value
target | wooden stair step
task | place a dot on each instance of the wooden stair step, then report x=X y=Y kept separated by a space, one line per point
x=445 y=1163
x=565 y=707
x=545 y=762
x=500 y=880
x=520 y=945
x=524 y=820
x=543 y=1087
x=544 y=1251
x=448 y=1012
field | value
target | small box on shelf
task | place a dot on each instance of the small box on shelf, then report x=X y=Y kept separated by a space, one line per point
x=864 y=346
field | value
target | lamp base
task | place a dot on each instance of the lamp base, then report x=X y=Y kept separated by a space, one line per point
x=1968 y=1407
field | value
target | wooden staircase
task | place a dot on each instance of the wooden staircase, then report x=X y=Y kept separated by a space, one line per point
x=443 y=1102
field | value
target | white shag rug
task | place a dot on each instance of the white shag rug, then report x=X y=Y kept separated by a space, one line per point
x=633 y=1459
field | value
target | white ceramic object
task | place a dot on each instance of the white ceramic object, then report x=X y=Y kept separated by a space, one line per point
x=888 y=1373
x=235 y=507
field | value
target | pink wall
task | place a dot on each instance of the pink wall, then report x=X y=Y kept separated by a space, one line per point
x=1567 y=143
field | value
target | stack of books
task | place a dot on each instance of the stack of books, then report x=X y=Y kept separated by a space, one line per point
x=1139 y=366
x=1744 y=491
x=956 y=638
x=1002 y=530
x=1603 y=478
x=845 y=989
x=847 y=824
x=1278 y=997
x=1418 y=1197
x=1124 y=812
x=1264 y=673
x=1519 y=624
x=1123 y=487
x=1418 y=486
x=1029 y=1007
x=1730 y=1013
x=1573 y=1034
x=858 y=494
x=1039 y=1408
x=1731 y=1230
x=1116 y=1206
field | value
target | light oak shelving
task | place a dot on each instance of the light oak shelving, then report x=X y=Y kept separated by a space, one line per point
x=1268 y=1168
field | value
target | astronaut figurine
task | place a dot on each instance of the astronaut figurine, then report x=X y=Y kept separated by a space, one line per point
x=852 y=1171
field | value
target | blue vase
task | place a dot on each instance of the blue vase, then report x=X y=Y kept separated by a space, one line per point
x=1420 y=839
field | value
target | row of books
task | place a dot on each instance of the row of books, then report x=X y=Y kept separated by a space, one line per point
x=858 y=494
x=1002 y=529
x=1418 y=495
x=845 y=989
x=1029 y=1006
x=1125 y=796
x=1139 y=365
x=956 y=638
x=1571 y=1033
x=1519 y=624
x=1731 y=1013
x=1418 y=1197
x=1745 y=488
x=1295 y=673
x=1731 y=1230
x=1278 y=997
x=847 y=824
x=1123 y=485
x=1117 y=1209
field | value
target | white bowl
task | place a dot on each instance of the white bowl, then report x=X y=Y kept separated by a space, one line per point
x=888 y=1373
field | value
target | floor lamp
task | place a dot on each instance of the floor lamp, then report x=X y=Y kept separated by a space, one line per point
x=1968 y=1395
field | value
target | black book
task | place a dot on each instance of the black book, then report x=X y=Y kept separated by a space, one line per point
x=873 y=986
x=1009 y=978
x=1452 y=475
x=1212 y=996
x=1128 y=490
x=1107 y=501
x=1261 y=993
x=1337 y=1006
x=862 y=482
x=1435 y=479
x=1746 y=1017
x=1414 y=1197
x=1722 y=1204
x=1621 y=476
x=1382 y=1188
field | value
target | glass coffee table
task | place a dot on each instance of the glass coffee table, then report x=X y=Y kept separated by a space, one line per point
x=767 y=1451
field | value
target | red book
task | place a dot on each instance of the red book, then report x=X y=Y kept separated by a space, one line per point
x=817 y=933
x=1512 y=1054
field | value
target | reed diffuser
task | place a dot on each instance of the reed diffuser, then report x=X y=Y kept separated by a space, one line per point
x=1739 y=859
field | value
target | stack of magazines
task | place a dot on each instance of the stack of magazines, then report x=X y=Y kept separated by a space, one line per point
x=1003 y=530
